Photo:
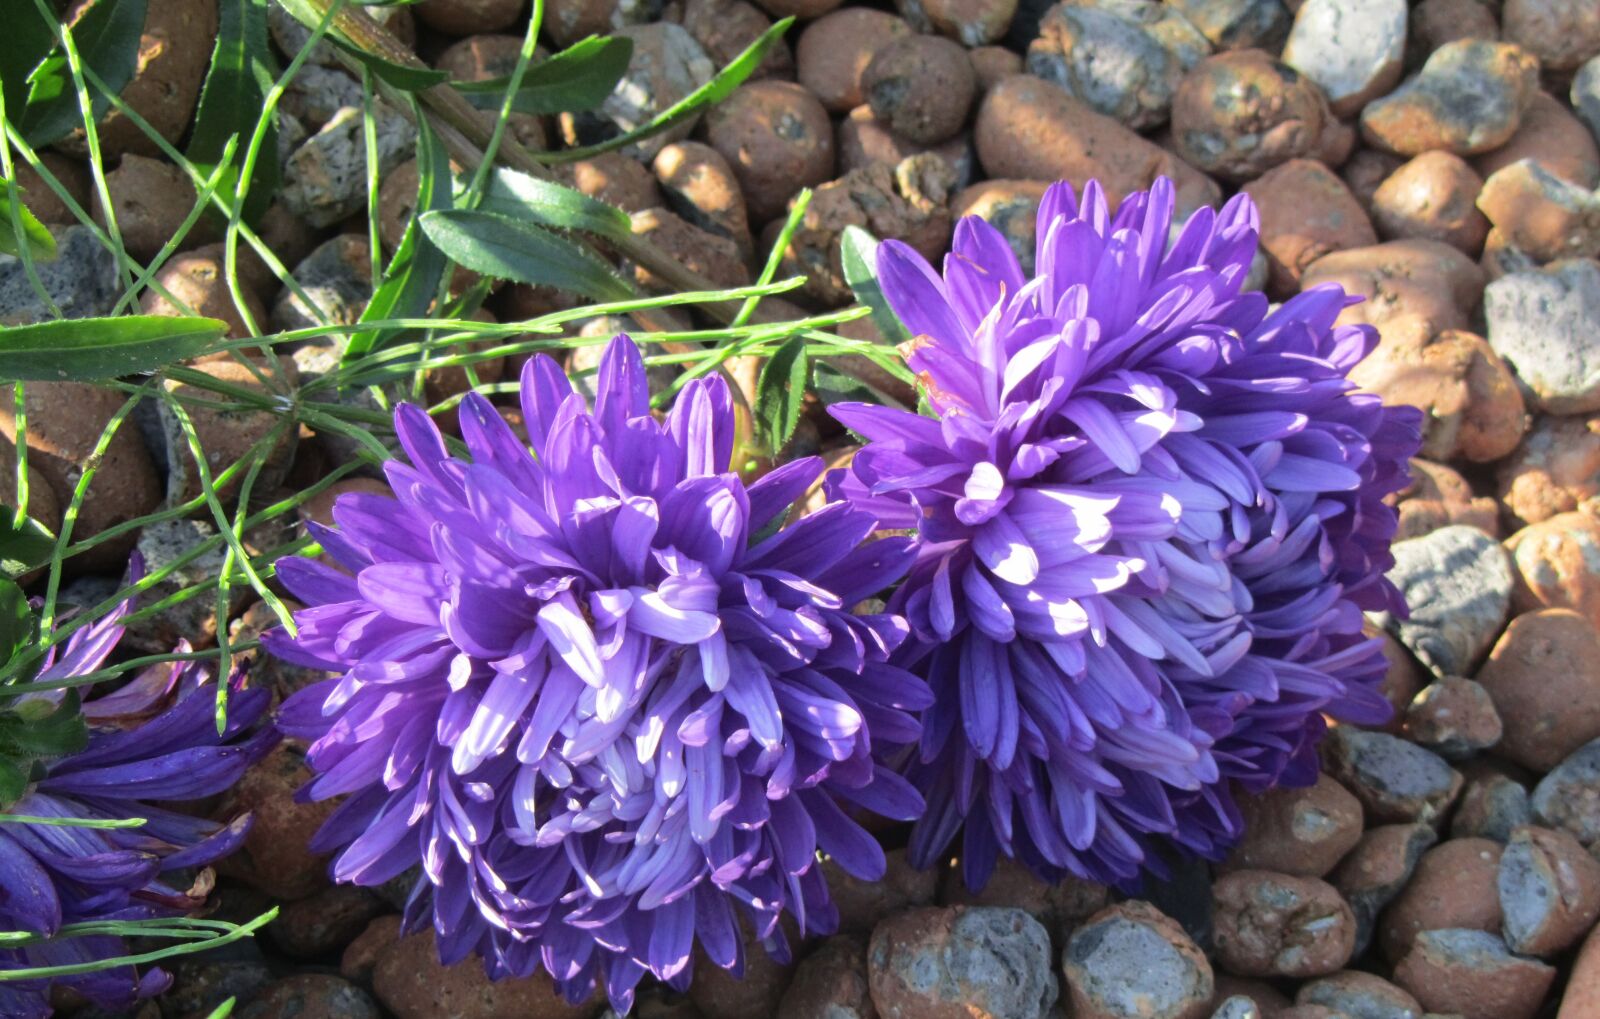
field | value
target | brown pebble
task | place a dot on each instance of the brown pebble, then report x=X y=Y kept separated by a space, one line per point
x=1554 y=470
x=969 y=22
x=1581 y=999
x=1309 y=1012
x=777 y=137
x=468 y=17
x=1473 y=974
x=1453 y=886
x=361 y=956
x=311 y=996
x=861 y=904
x=1468 y=98
x=1438 y=496
x=198 y=281
x=65 y=421
x=921 y=87
x=718 y=994
x=613 y=177
x=276 y=857
x=1432 y=197
x=1561 y=33
x=1377 y=869
x=725 y=28
x=1029 y=129
x=959 y=963
x=72 y=176
x=1473 y=408
x=1401 y=680
x=1453 y=717
x=1366 y=170
x=1269 y=1001
x=802 y=9
x=1436 y=22
x=151 y=199
x=1544 y=677
x=1240 y=113
x=1541 y=215
x=834 y=51
x=701 y=187
x=862 y=140
x=326 y=923
x=711 y=255
x=481 y=57
x=1280 y=926
x=1300 y=832
x=1132 y=960
x=1399 y=278
x=408 y=979
x=1553 y=565
x=1060 y=905
x=568 y=21
x=831 y=982
x=1394 y=780
x=1306 y=212
x=1549 y=891
x=991 y=63
x=1352 y=992
x=1550 y=135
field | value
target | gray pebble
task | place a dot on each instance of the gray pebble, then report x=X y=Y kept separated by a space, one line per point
x=1586 y=95
x=1237 y=24
x=1542 y=322
x=82 y=280
x=337 y=277
x=1569 y=797
x=1237 y=1007
x=667 y=64
x=1123 y=58
x=1492 y=807
x=194 y=620
x=1395 y=780
x=991 y=961
x=1352 y=48
x=1132 y=960
x=326 y=178
x=1468 y=98
x=1457 y=583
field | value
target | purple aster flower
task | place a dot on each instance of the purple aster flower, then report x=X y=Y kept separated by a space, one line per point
x=1149 y=515
x=592 y=691
x=153 y=739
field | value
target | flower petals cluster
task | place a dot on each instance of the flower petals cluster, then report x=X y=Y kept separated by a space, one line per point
x=608 y=707
x=153 y=739
x=1149 y=516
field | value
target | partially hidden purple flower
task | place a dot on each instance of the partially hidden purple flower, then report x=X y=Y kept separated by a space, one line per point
x=1149 y=516
x=153 y=739
x=593 y=693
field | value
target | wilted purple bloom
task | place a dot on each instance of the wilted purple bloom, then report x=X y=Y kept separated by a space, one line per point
x=592 y=691
x=1149 y=516
x=153 y=739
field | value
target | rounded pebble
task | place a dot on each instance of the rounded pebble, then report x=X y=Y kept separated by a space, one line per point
x=1474 y=975
x=1554 y=561
x=957 y=963
x=834 y=51
x=1453 y=886
x=1549 y=891
x=1544 y=678
x=1554 y=470
x=1468 y=98
x=1132 y=960
x=777 y=137
x=1306 y=212
x=1274 y=925
x=1352 y=49
x=1433 y=197
x=921 y=87
x=1458 y=583
x=1302 y=832
x=1240 y=113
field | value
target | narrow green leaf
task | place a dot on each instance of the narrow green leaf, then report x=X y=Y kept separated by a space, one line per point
x=858 y=251
x=25 y=548
x=506 y=248
x=224 y=1010
x=780 y=392
x=714 y=91
x=107 y=38
x=578 y=78
x=13 y=781
x=40 y=242
x=406 y=79
x=520 y=196
x=411 y=282
x=242 y=71
x=86 y=349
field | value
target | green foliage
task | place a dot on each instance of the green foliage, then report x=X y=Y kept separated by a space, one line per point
x=107 y=40
x=507 y=248
x=242 y=70
x=38 y=240
x=24 y=546
x=547 y=203
x=578 y=78
x=89 y=349
x=858 y=251
x=406 y=79
x=780 y=393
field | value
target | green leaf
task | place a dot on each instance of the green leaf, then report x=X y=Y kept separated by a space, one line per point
x=780 y=392
x=714 y=91
x=25 y=42
x=41 y=243
x=578 y=78
x=107 y=39
x=406 y=79
x=858 y=251
x=411 y=283
x=224 y=1010
x=39 y=729
x=520 y=196
x=22 y=549
x=13 y=781
x=242 y=72
x=87 y=349
x=16 y=620
x=506 y=248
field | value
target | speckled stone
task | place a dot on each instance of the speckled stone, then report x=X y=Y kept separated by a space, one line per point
x=1458 y=582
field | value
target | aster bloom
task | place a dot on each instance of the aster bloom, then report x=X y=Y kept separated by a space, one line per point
x=591 y=690
x=153 y=739
x=1149 y=515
